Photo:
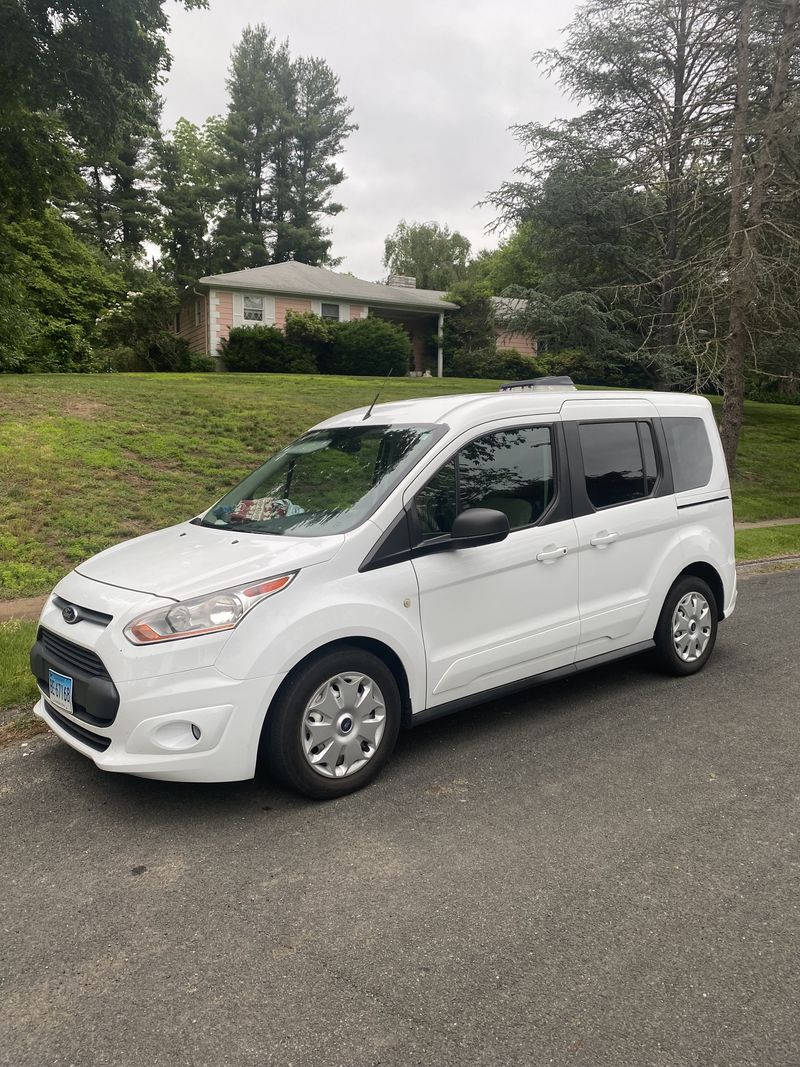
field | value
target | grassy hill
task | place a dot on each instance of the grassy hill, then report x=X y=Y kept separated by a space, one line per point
x=86 y=461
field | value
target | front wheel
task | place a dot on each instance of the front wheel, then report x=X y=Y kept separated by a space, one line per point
x=687 y=627
x=334 y=725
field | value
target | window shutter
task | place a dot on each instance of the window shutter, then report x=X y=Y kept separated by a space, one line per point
x=238 y=310
x=316 y=307
x=269 y=310
x=344 y=313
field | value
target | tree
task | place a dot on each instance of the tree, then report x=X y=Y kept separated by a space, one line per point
x=748 y=211
x=188 y=196
x=74 y=78
x=286 y=124
x=515 y=262
x=432 y=254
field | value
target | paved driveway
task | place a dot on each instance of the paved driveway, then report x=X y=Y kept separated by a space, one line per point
x=600 y=872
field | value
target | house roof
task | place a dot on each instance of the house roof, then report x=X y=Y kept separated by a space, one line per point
x=300 y=279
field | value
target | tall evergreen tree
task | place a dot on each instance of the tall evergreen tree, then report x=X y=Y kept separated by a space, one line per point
x=286 y=124
x=188 y=195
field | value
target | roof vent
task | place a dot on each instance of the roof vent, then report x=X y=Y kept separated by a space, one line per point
x=404 y=281
x=556 y=384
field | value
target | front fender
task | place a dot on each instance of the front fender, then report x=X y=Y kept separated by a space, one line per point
x=382 y=605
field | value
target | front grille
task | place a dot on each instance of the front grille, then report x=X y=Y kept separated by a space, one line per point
x=72 y=655
x=99 y=618
x=100 y=744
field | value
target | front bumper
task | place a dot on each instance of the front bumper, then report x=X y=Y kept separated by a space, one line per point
x=196 y=726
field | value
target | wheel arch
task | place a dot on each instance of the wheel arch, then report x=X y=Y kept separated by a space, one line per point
x=712 y=578
x=368 y=644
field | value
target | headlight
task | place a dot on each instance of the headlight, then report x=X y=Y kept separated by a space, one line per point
x=205 y=614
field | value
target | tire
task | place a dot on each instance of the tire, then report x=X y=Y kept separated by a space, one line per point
x=334 y=724
x=687 y=627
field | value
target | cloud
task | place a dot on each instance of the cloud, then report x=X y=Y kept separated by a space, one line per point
x=434 y=87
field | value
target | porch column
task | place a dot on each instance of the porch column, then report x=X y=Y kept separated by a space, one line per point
x=440 y=349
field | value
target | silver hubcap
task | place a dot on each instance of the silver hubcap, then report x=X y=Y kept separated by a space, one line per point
x=343 y=724
x=691 y=627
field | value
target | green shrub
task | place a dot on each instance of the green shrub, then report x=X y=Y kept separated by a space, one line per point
x=589 y=368
x=311 y=337
x=515 y=366
x=300 y=362
x=167 y=351
x=490 y=363
x=255 y=349
x=61 y=346
x=200 y=363
x=119 y=358
x=370 y=346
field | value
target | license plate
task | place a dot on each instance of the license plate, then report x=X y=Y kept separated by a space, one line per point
x=60 y=687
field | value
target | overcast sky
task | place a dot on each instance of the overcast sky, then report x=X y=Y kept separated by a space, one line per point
x=434 y=84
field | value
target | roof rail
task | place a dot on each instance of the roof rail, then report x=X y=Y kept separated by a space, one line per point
x=553 y=384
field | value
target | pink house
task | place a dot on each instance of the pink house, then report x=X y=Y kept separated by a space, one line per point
x=262 y=296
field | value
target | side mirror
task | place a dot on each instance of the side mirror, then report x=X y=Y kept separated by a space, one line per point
x=479 y=526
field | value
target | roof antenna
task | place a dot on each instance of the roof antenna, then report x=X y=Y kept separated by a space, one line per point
x=375 y=401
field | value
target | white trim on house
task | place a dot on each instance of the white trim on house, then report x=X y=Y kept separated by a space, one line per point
x=213 y=323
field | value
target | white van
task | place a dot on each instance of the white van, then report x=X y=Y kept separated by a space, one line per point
x=392 y=565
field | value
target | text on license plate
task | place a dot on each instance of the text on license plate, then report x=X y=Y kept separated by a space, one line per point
x=60 y=687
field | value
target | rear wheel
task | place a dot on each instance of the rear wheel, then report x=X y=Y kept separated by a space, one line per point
x=334 y=725
x=687 y=628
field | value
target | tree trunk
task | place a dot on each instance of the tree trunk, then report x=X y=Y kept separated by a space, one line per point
x=745 y=234
x=673 y=205
x=733 y=378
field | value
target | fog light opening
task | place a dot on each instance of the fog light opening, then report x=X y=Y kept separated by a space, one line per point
x=196 y=731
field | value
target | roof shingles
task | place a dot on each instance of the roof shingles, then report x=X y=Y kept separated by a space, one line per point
x=300 y=279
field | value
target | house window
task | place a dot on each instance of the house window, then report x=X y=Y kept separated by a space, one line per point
x=330 y=311
x=178 y=322
x=253 y=308
x=198 y=311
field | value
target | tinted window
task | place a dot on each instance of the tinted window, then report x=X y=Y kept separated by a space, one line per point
x=510 y=471
x=613 y=464
x=689 y=453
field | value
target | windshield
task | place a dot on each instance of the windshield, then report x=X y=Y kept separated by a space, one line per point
x=326 y=482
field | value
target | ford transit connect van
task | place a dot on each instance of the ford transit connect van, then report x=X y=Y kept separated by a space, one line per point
x=392 y=565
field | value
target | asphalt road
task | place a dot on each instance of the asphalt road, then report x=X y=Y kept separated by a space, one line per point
x=600 y=872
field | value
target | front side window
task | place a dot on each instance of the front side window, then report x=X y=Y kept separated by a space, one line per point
x=330 y=311
x=509 y=471
x=326 y=482
x=689 y=452
x=253 y=308
x=198 y=311
x=619 y=461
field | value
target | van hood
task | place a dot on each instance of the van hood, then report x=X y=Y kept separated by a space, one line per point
x=188 y=560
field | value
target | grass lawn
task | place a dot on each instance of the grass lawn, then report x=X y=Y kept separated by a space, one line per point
x=88 y=460
x=17 y=687
x=771 y=541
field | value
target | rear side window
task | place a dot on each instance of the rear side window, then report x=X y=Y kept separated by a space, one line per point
x=619 y=461
x=510 y=471
x=689 y=452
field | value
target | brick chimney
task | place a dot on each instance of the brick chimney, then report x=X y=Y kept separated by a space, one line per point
x=404 y=281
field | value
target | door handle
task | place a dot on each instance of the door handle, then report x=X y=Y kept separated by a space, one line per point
x=604 y=538
x=550 y=554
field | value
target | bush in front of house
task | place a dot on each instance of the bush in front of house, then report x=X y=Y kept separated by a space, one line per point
x=370 y=346
x=312 y=345
x=310 y=336
x=508 y=364
x=255 y=349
